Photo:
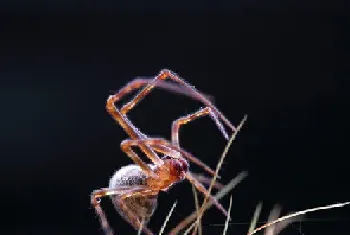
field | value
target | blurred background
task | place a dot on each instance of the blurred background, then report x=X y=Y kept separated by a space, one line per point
x=281 y=63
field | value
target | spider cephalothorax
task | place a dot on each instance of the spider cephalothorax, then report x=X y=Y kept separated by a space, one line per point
x=178 y=167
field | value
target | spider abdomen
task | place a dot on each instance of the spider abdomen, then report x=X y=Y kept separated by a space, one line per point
x=142 y=207
x=130 y=175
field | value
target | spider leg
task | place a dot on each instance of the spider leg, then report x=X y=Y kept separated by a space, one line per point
x=193 y=116
x=203 y=190
x=199 y=95
x=101 y=214
x=192 y=91
x=165 y=147
x=134 y=221
x=137 y=160
x=119 y=114
x=133 y=132
x=170 y=86
x=126 y=124
x=206 y=180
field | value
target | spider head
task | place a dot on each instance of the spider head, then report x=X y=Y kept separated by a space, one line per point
x=177 y=166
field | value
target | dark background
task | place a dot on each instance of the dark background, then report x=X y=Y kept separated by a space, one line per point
x=282 y=63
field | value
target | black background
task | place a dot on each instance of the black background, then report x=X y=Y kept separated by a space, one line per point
x=282 y=63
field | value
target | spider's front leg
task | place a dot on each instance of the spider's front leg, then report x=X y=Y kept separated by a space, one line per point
x=159 y=81
x=165 y=73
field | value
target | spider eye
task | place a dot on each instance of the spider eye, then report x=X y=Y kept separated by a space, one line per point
x=180 y=165
x=184 y=165
x=177 y=168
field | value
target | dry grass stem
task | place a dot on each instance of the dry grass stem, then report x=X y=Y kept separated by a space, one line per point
x=298 y=213
x=141 y=227
x=274 y=224
x=255 y=218
x=188 y=230
x=218 y=167
x=167 y=218
x=277 y=228
x=274 y=214
x=195 y=195
x=189 y=219
x=228 y=217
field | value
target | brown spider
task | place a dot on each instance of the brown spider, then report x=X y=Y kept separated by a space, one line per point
x=134 y=188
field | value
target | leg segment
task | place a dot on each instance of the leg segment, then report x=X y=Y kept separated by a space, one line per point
x=128 y=127
x=95 y=202
x=191 y=91
x=98 y=194
x=102 y=216
x=163 y=146
x=170 y=86
x=206 y=180
x=203 y=190
x=137 y=160
x=193 y=116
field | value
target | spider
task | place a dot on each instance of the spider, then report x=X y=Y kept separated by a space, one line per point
x=134 y=188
